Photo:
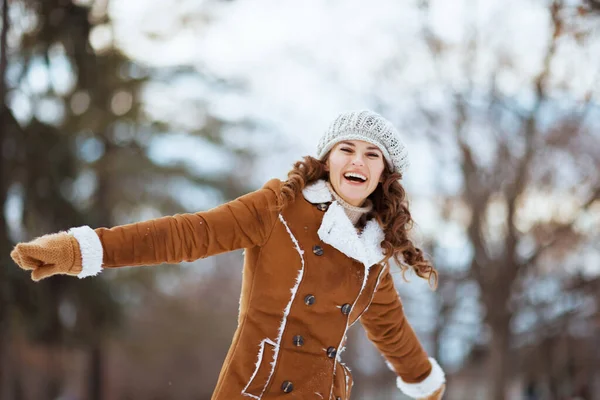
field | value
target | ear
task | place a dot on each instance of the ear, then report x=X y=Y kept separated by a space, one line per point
x=327 y=165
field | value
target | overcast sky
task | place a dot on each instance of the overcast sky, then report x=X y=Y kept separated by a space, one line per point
x=302 y=62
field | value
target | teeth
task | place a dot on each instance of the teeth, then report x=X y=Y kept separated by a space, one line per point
x=355 y=175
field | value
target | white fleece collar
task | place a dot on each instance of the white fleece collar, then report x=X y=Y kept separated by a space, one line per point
x=317 y=192
x=338 y=231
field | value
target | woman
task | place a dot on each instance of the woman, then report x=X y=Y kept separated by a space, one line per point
x=317 y=257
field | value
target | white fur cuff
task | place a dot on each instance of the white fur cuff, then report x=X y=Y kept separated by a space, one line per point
x=428 y=386
x=91 y=250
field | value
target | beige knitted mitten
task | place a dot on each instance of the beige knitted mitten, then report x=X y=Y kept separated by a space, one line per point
x=48 y=255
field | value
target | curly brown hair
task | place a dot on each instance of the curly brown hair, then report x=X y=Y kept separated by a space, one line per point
x=390 y=208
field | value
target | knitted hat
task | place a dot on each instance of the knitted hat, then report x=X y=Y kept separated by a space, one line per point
x=370 y=127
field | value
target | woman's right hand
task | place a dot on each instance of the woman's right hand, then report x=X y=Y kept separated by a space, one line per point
x=48 y=255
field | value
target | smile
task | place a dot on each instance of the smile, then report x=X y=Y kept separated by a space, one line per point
x=355 y=177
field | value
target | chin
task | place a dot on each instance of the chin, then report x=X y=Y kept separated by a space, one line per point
x=353 y=197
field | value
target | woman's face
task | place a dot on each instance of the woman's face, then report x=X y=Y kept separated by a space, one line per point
x=355 y=169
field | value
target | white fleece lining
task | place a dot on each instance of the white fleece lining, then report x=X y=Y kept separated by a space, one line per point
x=337 y=230
x=261 y=349
x=346 y=379
x=340 y=348
x=286 y=311
x=428 y=386
x=317 y=192
x=389 y=365
x=91 y=250
x=372 y=295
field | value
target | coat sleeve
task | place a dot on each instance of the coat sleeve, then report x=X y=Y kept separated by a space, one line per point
x=242 y=223
x=387 y=327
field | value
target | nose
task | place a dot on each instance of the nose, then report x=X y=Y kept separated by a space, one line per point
x=357 y=160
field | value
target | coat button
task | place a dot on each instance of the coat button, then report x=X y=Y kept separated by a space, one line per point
x=322 y=206
x=338 y=398
x=318 y=250
x=331 y=352
x=298 y=340
x=346 y=309
x=287 y=386
x=309 y=300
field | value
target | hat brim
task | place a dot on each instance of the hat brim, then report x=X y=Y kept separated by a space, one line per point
x=356 y=136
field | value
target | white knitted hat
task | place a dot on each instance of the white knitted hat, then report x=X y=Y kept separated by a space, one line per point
x=370 y=127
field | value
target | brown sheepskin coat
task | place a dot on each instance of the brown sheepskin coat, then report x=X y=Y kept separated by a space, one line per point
x=308 y=275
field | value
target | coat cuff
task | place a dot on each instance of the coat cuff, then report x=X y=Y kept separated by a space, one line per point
x=91 y=250
x=426 y=387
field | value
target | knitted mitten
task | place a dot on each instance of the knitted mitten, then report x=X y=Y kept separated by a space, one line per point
x=57 y=253
x=437 y=395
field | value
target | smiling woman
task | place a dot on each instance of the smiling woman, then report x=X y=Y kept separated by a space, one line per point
x=355 y=169
x=318 y=249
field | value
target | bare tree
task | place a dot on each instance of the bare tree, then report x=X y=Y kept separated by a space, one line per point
x=513 y=155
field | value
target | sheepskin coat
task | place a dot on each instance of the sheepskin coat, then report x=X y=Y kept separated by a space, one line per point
x=308 y=276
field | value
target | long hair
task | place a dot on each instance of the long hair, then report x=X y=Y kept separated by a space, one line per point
x=390 y=209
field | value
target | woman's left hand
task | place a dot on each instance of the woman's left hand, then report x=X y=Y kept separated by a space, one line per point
x=437 y=395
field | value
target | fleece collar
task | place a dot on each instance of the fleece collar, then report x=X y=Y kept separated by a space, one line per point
x=338 y=231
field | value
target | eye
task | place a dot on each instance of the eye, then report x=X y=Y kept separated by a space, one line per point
x=373 y=155
x=346 y=149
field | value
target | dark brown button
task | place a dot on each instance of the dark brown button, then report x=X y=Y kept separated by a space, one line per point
x=298 y=340
x=331 y=352
x=318 y=250
x=287 y=386
x=346 y=309
x=338 y=398
x=322 y=206
x=309 y=300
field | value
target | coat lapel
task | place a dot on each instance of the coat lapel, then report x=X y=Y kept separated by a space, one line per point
x=337 y=230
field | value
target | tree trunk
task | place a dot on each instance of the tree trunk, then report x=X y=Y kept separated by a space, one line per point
x=16 y=388
x=96 y=372
x=11 y=386
x=499 y=362
x=3 y=52
x=104 y=218
x=5 y=246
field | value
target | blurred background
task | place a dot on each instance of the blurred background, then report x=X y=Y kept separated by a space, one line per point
x=116 y=111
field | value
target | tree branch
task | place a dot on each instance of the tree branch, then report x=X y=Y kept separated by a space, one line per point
x=513 y=192
x=563 y=228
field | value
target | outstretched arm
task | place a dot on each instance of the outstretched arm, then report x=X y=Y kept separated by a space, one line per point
x=419 y=377
x=241 y=223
